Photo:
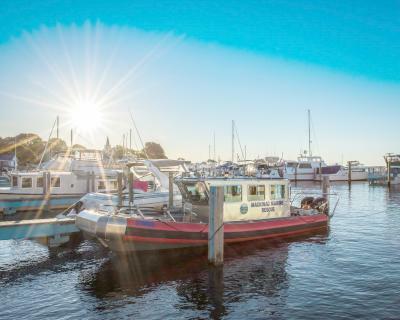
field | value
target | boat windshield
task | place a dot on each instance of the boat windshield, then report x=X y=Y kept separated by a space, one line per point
x=195 y=192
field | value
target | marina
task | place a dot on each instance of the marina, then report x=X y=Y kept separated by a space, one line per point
x=355 y=259
x=199 y=160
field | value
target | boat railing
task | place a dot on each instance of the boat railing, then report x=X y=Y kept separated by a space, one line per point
x=297 y=196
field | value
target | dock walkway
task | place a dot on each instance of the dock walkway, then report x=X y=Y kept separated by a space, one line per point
x=54 y=231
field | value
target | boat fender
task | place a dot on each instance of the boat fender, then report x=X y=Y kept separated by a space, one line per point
x=307 y=202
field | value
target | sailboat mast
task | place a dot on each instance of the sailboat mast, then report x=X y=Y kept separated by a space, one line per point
x=233 y=141
x=214 y=158
x=58 y=123
x=309 y=133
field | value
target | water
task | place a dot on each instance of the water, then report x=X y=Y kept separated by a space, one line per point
x=351 y=271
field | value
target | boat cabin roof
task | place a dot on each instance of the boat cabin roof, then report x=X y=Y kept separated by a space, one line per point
x=216 y=181
x=39 y=173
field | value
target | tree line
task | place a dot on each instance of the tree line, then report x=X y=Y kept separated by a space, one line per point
x=30 y=149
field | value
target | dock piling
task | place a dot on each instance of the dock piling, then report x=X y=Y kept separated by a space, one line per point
x=325 y=188
x=119 y=186
x=349 y=172
x=130 y=187
x=87 y=182
x=216 y=226
x=170 y=190
x=93 y=182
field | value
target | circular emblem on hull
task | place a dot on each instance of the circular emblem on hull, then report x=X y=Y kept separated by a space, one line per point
x=244 y=208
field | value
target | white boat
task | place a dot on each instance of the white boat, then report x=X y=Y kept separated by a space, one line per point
x=58 y=183
x=150 y=189
x=341 y=173
x=304 y=169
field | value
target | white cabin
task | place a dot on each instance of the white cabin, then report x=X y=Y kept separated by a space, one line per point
x=244 y=199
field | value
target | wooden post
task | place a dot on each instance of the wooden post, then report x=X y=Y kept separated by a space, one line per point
x=45 y=186
x=349 y=173
x=46 y=191
x=216 y=226
x=93 y=182
x=119 y=185
x=388 y=172
x=325 y=186
x=130 y=187
x=170 y=189
x=320 y=171
x=295 y=174
x=87 y=182
x=325 y=189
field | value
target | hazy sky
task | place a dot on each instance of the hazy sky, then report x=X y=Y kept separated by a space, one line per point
x=186 y=69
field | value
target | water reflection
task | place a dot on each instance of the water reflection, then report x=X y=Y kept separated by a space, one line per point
x=251 y=270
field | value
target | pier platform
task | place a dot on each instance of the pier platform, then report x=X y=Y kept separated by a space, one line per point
x=52 y=232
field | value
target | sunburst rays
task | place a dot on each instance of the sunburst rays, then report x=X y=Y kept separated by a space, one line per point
x=75 y=74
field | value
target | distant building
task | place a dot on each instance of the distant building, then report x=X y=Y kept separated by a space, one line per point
x=8 y=161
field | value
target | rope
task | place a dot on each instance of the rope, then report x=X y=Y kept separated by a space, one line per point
x=212 y=237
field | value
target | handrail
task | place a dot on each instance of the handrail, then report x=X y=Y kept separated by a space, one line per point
x=335 y=194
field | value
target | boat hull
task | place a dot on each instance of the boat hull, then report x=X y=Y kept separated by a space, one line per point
x=128 y=235
x=12 y=203
x=344 y=176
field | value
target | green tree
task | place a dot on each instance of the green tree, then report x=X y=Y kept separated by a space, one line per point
x=154 y=150
x=56 y=145
x=78 y=147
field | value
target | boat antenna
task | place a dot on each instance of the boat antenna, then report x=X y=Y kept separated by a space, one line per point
x=138 y=134
x=309 y=133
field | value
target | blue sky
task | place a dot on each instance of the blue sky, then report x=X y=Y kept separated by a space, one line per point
x=262 y=63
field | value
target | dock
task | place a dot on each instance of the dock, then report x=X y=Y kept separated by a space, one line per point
x=52 y=232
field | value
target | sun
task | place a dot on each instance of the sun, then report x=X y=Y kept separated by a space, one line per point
x=86 y=117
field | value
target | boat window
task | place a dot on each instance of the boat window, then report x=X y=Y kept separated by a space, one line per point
x=196 y=193
x=55 y=182
x=26 y=182
x=256 y=192
x=233 y=193
x=39 y=182
x=305 y=166
x=278 y=192
x=15 y=181
x=101 y=185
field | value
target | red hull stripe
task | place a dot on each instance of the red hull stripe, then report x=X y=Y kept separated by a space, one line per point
x=233 y=232
x=204 y=242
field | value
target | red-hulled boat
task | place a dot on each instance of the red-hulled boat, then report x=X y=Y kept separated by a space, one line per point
x=253 y=209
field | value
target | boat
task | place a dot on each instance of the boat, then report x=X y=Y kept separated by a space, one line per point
x=253 y=209
x=149 y=190
x=341 y=173
x=307 y=164
x=393 y=167
x=57 y=183
x=304 y=169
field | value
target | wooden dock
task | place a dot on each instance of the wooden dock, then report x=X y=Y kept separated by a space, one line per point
x=52 y=232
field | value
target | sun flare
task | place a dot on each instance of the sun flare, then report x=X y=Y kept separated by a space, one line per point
x=86 y=117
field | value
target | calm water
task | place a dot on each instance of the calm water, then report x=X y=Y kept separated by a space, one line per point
x=351 y=271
